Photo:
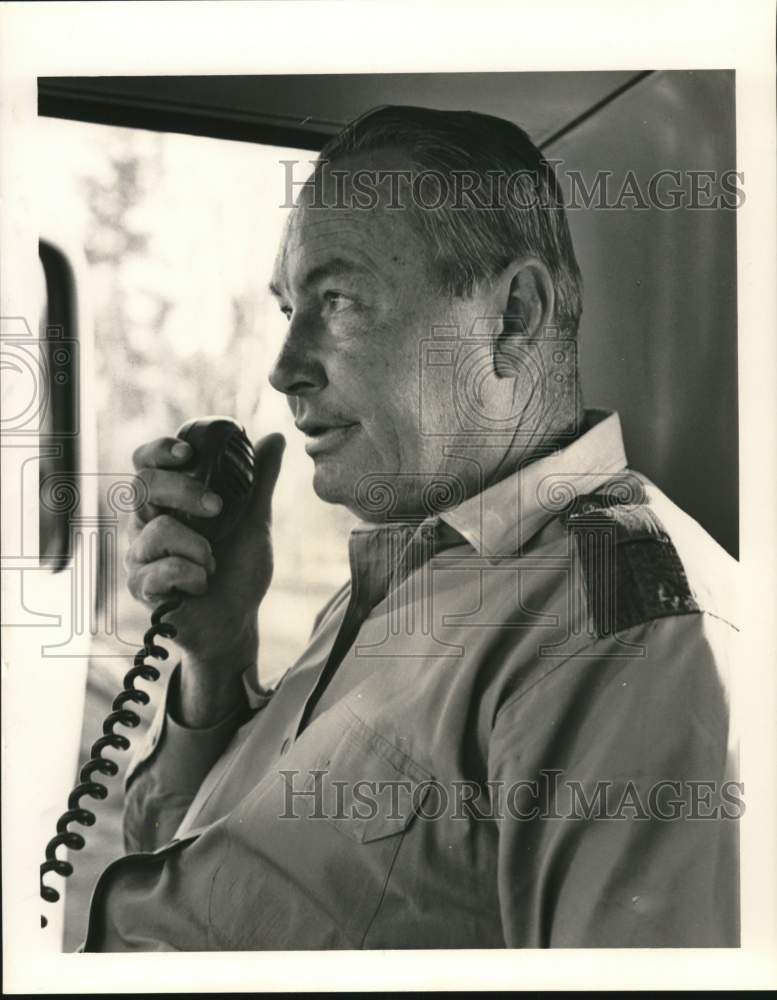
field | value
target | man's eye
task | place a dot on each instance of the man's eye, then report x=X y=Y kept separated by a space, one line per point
x=286 y=310
x=336 y=301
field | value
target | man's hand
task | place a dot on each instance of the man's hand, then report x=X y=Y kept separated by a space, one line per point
x=223 y=585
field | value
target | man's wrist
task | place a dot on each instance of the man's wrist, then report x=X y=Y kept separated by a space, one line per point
x=211 y=687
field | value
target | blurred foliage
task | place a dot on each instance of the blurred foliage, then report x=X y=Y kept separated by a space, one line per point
x=148 y=379
x=146 y=385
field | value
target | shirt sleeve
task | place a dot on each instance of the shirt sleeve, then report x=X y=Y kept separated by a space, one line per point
x=168 y=767
x=617 y=805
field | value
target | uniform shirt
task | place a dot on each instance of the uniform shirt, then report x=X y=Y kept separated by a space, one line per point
x=510 y=728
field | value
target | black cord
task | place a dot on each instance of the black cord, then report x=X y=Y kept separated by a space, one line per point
x=119 y=715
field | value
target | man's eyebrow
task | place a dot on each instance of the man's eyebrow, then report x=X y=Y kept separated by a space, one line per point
x=332 y=268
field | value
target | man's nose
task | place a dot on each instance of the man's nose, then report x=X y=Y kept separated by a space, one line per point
x=297 y=370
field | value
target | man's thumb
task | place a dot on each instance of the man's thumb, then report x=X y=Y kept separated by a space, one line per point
x=268 y=452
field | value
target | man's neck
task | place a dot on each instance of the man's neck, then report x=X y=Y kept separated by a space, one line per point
x=550 y=440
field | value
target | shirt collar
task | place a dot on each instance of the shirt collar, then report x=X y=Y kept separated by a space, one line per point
x=496 y=522
x=502 y=518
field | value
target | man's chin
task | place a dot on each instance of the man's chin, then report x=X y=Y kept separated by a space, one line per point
x=332 y=483
x=370 y=496
x=338 y=482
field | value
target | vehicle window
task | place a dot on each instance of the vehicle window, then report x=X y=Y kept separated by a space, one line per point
x=180 y=234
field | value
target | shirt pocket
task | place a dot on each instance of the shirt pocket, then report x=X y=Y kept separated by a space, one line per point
x=367 y=787
x=310 y=852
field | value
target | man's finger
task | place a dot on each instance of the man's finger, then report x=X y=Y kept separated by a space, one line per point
x=167 y=536
x=178 y=492
x=160 y=579
x=268 y=454
x=163 y=453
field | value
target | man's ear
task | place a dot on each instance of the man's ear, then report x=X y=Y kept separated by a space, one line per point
x=529 y=307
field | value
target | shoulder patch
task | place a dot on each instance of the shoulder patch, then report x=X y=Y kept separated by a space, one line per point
x=630 y=568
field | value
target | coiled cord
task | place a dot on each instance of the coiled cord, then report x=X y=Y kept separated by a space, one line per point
x=97 y=764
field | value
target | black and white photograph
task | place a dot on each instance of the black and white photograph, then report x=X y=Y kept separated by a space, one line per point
x=388 y=498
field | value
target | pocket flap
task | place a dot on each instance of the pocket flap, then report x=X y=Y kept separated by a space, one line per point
x=368 y=788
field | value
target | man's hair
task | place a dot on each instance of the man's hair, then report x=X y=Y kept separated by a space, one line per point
x=515 y=210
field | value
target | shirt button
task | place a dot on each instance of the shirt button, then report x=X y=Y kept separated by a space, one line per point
x=285 y=745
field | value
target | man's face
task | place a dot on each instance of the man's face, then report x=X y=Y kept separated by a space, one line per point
x=358 y=291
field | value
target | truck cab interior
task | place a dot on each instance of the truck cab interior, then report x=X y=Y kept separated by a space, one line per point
x=161 y=210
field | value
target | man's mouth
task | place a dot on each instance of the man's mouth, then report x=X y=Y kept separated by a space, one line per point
x=324 y=437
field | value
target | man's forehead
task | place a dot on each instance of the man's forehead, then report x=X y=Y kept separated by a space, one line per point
x=370 y=180
x=315 y=237
x=376 y=238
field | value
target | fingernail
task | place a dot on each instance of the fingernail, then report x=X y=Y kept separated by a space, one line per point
x=181 y=450
x=211 y=502
x=212 y=565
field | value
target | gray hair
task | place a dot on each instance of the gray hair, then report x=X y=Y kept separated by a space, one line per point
x=524 y=214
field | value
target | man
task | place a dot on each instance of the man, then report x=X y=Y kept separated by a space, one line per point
x=510 y=727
